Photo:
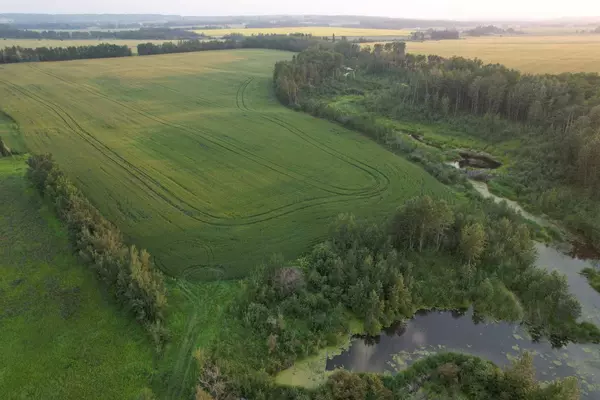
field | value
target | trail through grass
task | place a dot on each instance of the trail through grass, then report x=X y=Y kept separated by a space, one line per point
x=62 y=337
x=193 y=158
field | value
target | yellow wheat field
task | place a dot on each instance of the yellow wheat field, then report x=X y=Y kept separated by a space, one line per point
x=533 y=54
x=315 y=31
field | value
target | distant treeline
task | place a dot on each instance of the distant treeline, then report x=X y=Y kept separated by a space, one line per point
x=432 y=34
x=138 y=34
x=491 y=30
x=127 y=272
x=295 y=43
x=17 y=54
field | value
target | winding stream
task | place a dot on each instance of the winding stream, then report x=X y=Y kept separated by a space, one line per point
x=432 y=332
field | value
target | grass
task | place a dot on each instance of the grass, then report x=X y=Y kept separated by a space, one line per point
x=73 y=42
x=62 y=337
x=531 y=54
x=193 y=158
x=196 y=313
x=313 y=30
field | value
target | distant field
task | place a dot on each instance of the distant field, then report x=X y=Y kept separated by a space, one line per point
x=555 y=30
x=315 y=31
x=80 y=42
x=62 y=338
x=534 y=54
x=195 y=160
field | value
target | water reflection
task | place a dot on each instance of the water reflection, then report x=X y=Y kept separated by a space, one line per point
x=432 y=332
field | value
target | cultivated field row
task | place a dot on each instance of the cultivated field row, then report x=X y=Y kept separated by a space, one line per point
x=193 y=157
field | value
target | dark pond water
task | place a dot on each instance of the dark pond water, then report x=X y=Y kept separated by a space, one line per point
x=432 y=332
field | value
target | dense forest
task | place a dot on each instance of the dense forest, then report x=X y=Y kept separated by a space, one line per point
x=17 y=54
x=430 y=254
x=555 y=117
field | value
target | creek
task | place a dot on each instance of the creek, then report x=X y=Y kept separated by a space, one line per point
x=431 y=332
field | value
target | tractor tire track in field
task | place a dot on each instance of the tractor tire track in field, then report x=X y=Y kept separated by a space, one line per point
x=247 y=219
x=325 y=186
x=371 y=171
x=157 y=188
x=102 y=148
x=180 y=374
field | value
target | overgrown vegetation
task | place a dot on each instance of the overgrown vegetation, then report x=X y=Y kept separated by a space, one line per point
x=430 y=254
x=126 y=271
x=556 y=117
x=446 y=375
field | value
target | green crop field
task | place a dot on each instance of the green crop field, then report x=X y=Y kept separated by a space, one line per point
x=62 y=338
x=194 y=159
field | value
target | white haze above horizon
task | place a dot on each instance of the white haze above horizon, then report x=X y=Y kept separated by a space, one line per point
x=430 y=9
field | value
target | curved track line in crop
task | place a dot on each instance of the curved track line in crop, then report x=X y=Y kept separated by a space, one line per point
x=228 y=146
x=380 y=180
x=371 y=171
x=102 y=148
x=99 y=146
x=247 y=219
x=240 y=94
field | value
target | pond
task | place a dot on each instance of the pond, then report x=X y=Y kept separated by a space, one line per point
x=432 y=332
x=429 y=333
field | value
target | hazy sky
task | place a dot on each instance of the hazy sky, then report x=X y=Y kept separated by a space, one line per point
x=446 y=9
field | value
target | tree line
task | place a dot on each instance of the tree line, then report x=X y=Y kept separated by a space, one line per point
x=429 y=254
x=557 y=117
x=294 y=43
x=125 y=270
x=491 y=30
x=17 y=54
x=163 y=33
x=434 y=34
